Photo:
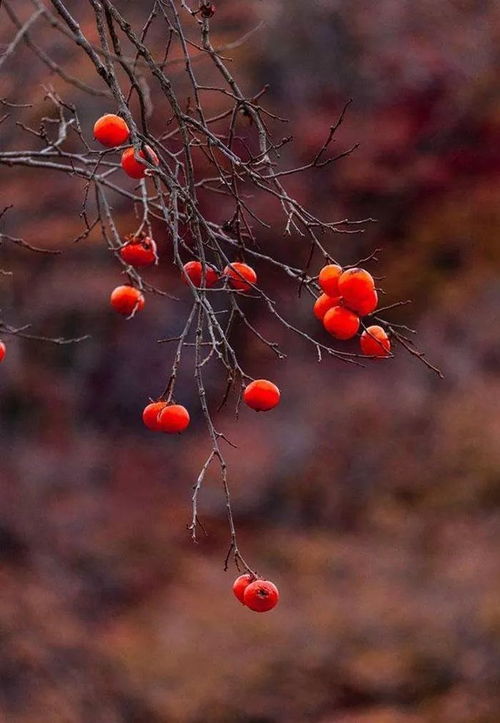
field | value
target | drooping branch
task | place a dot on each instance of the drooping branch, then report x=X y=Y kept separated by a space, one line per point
x=218 y=142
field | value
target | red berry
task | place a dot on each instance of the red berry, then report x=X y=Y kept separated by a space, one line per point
x=139 y=251
x=3 y=351
x=150 y=415
x=127 y=300
x=329 y=279
x=323 y=303
x=365 y=305
x=375 y=342
x=173 y=418
x=240 y=585
x=355 y=285
x=111 y=130
x=193 y=269
x=241 y=276
x=261 y=395
x=261 y=596
x=341 y=323
x=134 y=168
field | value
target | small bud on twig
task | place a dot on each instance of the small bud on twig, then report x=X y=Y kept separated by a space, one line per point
x=207 y=11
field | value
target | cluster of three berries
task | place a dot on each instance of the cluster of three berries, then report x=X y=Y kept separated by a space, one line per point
x=261 y=395
x=141 y=251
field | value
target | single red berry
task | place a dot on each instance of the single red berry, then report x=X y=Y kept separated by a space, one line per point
x=241 y=276
x=323 y=303
x=193 y=269
x=127 y=300
x=341 y=323
x=355 y=285
x=207 y=11
x=3 y=351
x=240 y=585
x=139 y=251
x=150 y=415
x=173 y=418
x=261 y=596
x=365 y=305
x=111 y=130
x=375 y=342
x=329 y=279
x=133 y=167
x=261 y=395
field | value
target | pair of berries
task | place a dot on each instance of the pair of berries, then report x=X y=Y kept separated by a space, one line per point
x=112 y=131
x=163 y=417
x=347 y=295
x=240 y=276
x=139 y=251
x=257 y=595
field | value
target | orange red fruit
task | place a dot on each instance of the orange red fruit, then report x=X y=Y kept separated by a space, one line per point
x=341 y=323
x=240 y=585
x=366 y=304
x=355 y=285
x=329 y=279
x=127 y=300
x=323 y=303
x=240 y=275
x=194 y=270
x=174 y=418
x=150 y=415
x=3 y=351
x=375 y=342
x=133 y=167
x=261 y=395
x=111 y=130
x=261 y=596
x=139 y=251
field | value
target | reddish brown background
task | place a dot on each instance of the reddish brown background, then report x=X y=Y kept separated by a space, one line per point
x=371 y=496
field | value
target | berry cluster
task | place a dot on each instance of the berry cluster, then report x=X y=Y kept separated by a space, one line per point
x=347 y=296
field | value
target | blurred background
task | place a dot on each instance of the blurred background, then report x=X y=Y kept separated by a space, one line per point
x=371 y=496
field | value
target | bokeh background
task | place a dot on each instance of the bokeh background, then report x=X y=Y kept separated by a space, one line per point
x=371 y=496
